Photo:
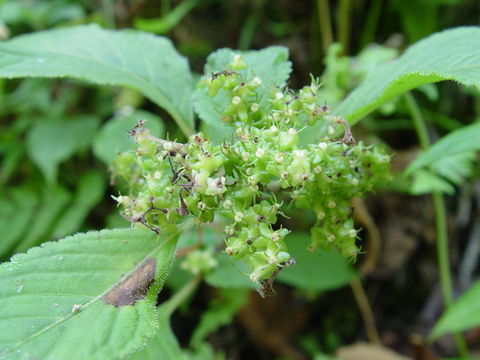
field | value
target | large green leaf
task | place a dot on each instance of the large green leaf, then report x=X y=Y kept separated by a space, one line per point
x=448 y=55
x=462 y=315
x=135 y=59
x=75 y=299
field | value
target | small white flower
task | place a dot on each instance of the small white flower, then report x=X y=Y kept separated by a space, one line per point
x=352 y=233
x=278 y=95
x=354 y=181
x=273 y=129
x=292 y=131
x=323 y=145
x=227 y=204
x=317 y=169
x=275 y=236
x=320 y=215
x=331 y=237
x=157 y=175
x=201 y=205
x=256 y=81
x=260 y=153
x=331 y=204
x=255 y=107
x=279 y=157
x=331 y=130
x=299 y=153
x=168 y=146
x=288 y=112
x=236 y=100
x=238 y=217
x=237 y=58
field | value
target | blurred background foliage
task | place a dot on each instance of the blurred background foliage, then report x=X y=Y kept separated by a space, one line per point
x=58 y=138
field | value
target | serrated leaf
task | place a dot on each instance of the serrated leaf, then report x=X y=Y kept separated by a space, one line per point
x=135 y=59
x=456 y=143
x=114 y=137
x=317 y=271
x=448 y=161
x=49 y=142
x=56 y=298
x=462 y=315
x=448 y=55
x=165 y=345
x=271 y=65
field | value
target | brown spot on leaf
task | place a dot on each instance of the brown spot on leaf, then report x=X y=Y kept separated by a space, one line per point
x=134 y=287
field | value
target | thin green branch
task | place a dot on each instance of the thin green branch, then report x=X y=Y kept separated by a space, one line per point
x=440 y=221
x=323 y=13
x=343 y=31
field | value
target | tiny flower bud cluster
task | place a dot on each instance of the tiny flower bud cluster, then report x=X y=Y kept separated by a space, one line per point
x=238 y=183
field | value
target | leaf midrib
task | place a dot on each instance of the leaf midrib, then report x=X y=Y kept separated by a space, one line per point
x=88 y=304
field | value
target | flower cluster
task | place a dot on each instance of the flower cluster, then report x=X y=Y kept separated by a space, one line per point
x=238 y=183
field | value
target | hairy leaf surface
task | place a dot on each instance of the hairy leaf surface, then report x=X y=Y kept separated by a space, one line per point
x=448 y=55
x=135 y=59
x=53 y=298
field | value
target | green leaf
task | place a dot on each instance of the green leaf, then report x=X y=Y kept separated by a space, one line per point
x=229 y=274
x=448 y=55
x=462 y=315
x=448 y=161
x=164 y=24
x=135 y=59
x=270 y=64
x=426 y=182
x=17 y=208
x=56 y=298
x=220 y=312
x=49 y=142
x=113 y=137
x=54 y=200
x=317 y=271
x=456 y=143
x=90 y=190
x=164 y=345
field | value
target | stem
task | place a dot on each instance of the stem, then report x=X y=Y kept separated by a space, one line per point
x=108 y=14
x=371 y=24
x=344 y=24
x=418 y=121
x=323 y=12
x=180 y=296
x=440 y=222
x=365 y=310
